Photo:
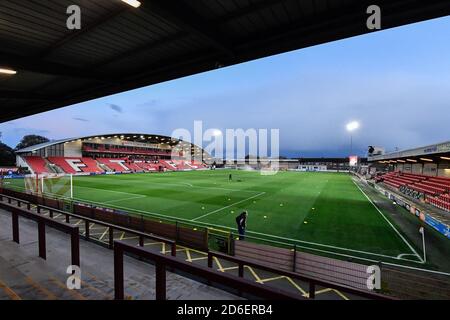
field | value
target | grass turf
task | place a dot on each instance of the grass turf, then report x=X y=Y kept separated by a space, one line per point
x=320 y=210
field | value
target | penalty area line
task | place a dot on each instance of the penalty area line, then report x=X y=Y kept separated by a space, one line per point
x=125 y=199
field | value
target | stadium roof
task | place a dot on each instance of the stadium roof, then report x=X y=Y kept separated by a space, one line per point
x=119 y=47
x=431 y=150
x=139 y=137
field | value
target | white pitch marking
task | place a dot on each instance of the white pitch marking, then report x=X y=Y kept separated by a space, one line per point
x=404 y=255
x=273 y=236
x=392 y=226
x=181 y=184
x=124 y=199
x=266 y=235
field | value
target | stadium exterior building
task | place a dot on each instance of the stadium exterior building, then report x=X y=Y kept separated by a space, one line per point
x=121 y=152
x=417 y=179
x=431 y=160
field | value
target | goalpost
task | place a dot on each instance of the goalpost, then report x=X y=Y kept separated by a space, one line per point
x=56 y=185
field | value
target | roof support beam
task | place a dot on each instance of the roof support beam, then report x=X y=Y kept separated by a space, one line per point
x=84 y=30
x=41 y=66
x=181 y=15
x=251 y=8
x=24 y=95
x=136 y=51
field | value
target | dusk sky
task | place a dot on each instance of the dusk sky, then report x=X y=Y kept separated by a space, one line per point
x=396 y=83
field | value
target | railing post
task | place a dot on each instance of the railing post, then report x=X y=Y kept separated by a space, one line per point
x=29 y=206
x=86 y=229
x=39 y=209
x=111 y=237
x=50 y=214
x=174 y=249
x=312 y=290
x=118 y=273
x=75 y=247
x=241 y=270
x=210 y=260
x=141 y=241
x=41 y=239
x=15 y=226
x=294 y=265
x=160 y=281
x=67 y=218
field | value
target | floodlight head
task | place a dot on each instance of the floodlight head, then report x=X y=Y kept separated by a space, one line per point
x=217 y=132
x=352 y=126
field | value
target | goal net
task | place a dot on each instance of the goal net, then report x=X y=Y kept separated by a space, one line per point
x=55 y=185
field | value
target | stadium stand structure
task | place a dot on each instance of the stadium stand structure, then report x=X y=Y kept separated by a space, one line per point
x=433 y=190
x=113 y=164
x=422 y=173
x=37 y=164
x=112 y=153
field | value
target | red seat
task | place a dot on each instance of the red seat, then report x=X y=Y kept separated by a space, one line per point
x=75 y=164
x=37 y=164
x=116 y=164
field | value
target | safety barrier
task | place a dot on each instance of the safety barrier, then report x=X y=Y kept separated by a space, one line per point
x=162 y=262
x=42 y=222
x=313 y=282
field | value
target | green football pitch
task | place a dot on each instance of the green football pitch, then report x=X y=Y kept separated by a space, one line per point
x=324 y=212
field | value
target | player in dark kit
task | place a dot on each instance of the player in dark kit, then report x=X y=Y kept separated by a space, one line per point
x=241 y=221
x=230 y=177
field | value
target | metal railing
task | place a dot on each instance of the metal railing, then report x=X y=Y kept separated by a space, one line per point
x=111 y=228
x=162 y=262
x=42 y=222
x=313 y=282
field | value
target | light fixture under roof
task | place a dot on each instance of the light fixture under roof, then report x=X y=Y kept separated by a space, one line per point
x=7 y=71
x=426 y=159
x=411 y=160
x=133 y=3
x=445 y=158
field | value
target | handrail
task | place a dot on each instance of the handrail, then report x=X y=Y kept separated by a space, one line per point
x=140 y=234
x=112 y=227
x=162 y=262
x=241 y=262
x=42 y=222
x=313 y=282
x=19 y=201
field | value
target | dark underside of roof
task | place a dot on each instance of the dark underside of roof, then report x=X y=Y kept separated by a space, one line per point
x=119 y=48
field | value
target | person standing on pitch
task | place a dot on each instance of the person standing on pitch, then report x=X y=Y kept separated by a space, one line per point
x=230 y=177
x=241 y=221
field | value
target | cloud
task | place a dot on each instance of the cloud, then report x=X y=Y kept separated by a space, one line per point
x=116 y=108
x=150 y=103
x=80 y=119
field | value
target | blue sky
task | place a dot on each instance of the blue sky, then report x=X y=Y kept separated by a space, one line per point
x=395 y=82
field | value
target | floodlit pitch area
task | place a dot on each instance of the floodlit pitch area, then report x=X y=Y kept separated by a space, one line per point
x=324 y=212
